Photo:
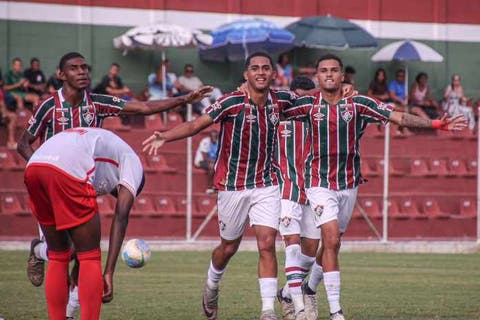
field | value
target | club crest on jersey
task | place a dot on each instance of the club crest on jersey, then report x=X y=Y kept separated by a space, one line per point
x=347 y=115
x=273 y=118
x=88 y=117
x=382 y=106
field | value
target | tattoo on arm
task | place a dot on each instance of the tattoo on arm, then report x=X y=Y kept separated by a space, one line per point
x=409 y=120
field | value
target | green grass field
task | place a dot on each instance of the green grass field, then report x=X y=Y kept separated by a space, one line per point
x=374 y=286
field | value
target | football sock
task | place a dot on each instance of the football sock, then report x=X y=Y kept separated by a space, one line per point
x=40 y=251
x=56 y=284
x=214 y=276
x=331 y=281
x=305 y=262
x=73 y=303
x=90 y=284
x=268 y=292
x=315 y=277
x=295 y=275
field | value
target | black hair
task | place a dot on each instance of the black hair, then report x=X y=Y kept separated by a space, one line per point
x=329 y=56
x=115 y=64
x=350 y=69
x=303 y=83
x=399 y=71
x=258 y=54
x=377 y=72
x=16 y=59
x=68 y=56
x=34 y=60
x=421 y=74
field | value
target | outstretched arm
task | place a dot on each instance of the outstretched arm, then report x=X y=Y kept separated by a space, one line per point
x=187 y=129
x=117 y=234
x=156 y=106
x=404 y=119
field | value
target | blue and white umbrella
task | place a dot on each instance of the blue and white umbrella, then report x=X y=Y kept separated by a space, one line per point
x=236 y=40
x=407 y=50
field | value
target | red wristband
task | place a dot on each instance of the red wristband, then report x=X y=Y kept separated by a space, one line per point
x=437 y=124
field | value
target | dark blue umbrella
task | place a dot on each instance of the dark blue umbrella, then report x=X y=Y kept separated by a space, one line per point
x=236 y=40
x=328 y=32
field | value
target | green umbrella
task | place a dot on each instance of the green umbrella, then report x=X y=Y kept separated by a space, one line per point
x=328 y=32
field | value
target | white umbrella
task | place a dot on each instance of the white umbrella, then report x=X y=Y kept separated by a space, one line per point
x=407 y=50
x=161 y=36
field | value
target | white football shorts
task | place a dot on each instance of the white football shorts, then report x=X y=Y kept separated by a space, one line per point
x=299 y=219
x=328 y=205
x=260 y=205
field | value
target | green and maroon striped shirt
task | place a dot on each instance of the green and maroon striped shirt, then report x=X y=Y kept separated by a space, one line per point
x=290 y=154
x=54 y=114
x=333 y=161
x=247 y=140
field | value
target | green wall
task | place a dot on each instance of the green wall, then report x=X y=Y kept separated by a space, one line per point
x=49 y=41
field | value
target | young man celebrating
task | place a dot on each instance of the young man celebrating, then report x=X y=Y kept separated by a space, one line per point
x=244 y=176
x=332 y=166
x=63 y=178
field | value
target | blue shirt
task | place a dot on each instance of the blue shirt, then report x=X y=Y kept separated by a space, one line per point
x=397 y=88
x=212 y=151
x=155 y=89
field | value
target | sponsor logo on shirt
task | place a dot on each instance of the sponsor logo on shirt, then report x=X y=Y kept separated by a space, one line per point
x=62 y=109
x=251 y=118
x=62 y=120
x=32 y=120
x=286 y=133
x=318 y=116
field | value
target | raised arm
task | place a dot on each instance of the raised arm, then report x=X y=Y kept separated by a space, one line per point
x=156 y=106
x=456 y=123
x=117 y=234
x=24 y=147
x=184 y=130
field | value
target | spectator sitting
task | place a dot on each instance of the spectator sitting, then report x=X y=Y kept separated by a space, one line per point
x=349 y=75
x=378 y=87
x=16 y=84
x=155 y=85
x=396 y=89
x=206 y=155
x=36 y=78
x=54 y=83
x=9 y=118
x=284 y=71
x=189 y=82
x=112 y=84
x=456 y=103
x=421 y=96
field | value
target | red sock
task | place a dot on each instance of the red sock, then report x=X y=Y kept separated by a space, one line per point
x=56 y=283
x=90 y=284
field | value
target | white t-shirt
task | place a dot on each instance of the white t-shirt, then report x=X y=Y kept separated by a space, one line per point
x=94 y=155
x=203 y=147
x=191 y=83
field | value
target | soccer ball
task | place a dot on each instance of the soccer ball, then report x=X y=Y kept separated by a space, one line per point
x=136 y=253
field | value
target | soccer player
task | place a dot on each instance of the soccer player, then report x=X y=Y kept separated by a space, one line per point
x=63 y=178
x=332 y=167
x=73 y=106
x=244 y=175
x=297 y=226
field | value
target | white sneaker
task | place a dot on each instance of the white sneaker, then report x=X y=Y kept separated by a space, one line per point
x=269 y=315
x=73 y=303
x=310 y=300
x=288 y=309
x=337 y=315
x=210 y=302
